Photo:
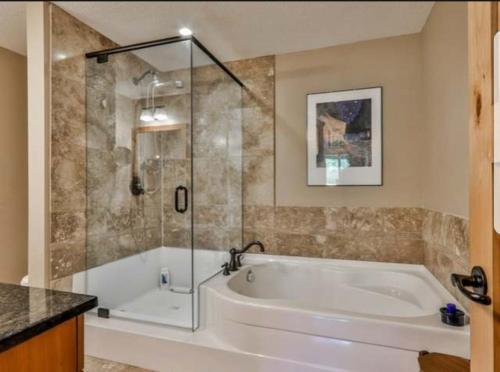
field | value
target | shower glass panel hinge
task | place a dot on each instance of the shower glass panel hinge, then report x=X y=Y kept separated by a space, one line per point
x=103 y=58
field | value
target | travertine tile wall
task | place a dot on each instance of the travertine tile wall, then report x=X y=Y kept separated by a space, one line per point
x=446 y=247
x=70 y=40
x=217 y=158
x=371 y=234
x=94 y=218
x=258 y=128
x=118 y=223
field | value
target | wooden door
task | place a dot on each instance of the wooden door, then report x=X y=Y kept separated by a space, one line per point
x=484 y=242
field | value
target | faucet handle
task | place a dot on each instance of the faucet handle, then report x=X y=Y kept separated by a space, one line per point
x=226 y=271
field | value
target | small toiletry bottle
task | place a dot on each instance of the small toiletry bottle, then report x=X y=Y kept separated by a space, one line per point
x=164 y=278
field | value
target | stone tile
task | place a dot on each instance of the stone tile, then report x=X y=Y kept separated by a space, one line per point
x=432 y=227
x=67 y=226
x=258 y=180
x=179 y=237
x=299 y=244
x=216 y=215
x=210 y=182
x=258 y=131
x=265 y=236
x=249 y=69
x=235 y=237
x=335 y=219
x=213 y=238
x=93 y=364
x=441 y=265
x=455 y=231
x=365 y=247
x=68 y=114
x=255 y=217
x=67 y=258
x=299 y=220
x=336 y=247
x=364 y=220
x=62 y=284
x=403 y=220
x=402 y=250
x=68 y=181
x=72 y=39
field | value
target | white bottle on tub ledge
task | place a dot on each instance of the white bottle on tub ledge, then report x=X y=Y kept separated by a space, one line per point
x=164 y=278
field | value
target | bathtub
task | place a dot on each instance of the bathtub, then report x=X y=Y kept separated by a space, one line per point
x=277 y=313
x=329 y=312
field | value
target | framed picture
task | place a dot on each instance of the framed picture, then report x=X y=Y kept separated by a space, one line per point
x=344 y=138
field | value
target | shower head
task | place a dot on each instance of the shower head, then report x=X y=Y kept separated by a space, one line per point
x=153 y=73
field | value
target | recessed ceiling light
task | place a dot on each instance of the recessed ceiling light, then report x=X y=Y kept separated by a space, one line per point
x=185 y=31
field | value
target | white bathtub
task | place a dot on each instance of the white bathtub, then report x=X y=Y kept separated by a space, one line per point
x=297 y=314
x=328 y=312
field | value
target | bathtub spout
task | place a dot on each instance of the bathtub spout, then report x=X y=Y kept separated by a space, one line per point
x=235 y=262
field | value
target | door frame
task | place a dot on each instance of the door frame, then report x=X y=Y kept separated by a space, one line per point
x=484 y=242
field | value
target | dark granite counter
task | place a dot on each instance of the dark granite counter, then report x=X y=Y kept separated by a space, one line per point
x=26 y=312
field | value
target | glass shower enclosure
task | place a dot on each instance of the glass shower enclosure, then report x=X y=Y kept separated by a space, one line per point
x=164 y=177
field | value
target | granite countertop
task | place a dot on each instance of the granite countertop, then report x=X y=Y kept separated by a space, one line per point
x=26 y=312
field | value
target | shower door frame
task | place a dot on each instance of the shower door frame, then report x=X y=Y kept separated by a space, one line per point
x=102 y=55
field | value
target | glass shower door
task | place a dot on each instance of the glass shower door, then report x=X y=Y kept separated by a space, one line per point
x=217 y=168
x=138 y=156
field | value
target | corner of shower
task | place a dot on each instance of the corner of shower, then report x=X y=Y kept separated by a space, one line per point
x=164 y=177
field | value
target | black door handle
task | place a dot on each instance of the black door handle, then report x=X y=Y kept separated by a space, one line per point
x=477 y=280
x=177 y=191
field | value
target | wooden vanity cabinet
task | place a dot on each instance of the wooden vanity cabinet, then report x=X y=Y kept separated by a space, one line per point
x=58 y=349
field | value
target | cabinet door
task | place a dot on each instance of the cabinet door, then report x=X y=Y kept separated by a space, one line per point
x=55 y=350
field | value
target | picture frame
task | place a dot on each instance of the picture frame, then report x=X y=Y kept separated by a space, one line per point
x=344 y=138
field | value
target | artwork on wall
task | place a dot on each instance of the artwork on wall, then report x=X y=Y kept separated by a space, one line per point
x=344 y=138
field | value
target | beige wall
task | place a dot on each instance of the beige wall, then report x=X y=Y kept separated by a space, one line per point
x=393 y=63
x=13 y=167
x=444 y=52
x=424 y=79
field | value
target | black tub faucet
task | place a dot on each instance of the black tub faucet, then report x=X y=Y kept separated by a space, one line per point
x=235 y=262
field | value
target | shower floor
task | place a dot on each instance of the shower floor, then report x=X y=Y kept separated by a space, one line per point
x=159 y=306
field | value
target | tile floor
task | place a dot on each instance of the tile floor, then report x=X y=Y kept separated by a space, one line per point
x=100 y=365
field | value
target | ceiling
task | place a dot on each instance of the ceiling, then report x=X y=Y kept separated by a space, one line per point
x=234 y=30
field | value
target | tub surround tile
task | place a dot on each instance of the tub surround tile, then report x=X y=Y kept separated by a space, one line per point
x=446 y=248
x=257 y=74
x=305 y=245
x=305 y=220
x=258 y=181
x=407 y=220
x=364 y=220
x=342 y=233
